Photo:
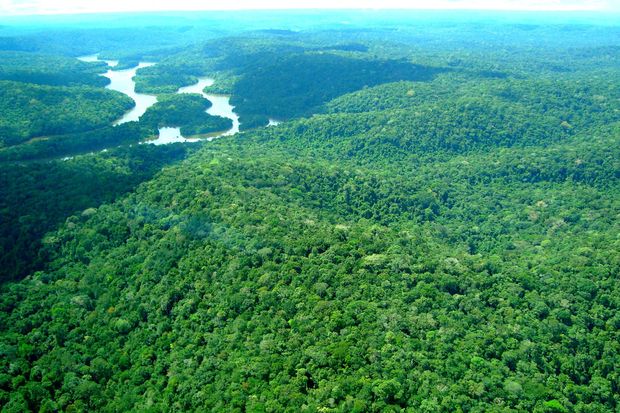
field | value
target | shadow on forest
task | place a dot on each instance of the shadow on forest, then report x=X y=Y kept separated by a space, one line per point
x=294 y=85
x=36 y=198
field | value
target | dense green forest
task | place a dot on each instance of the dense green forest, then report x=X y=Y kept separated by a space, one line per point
x=30 y=110
x=433 y=227
x=46 y=69
x=186 y=111
x=47 y=192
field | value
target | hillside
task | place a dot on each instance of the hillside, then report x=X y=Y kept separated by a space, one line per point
x=443 y=239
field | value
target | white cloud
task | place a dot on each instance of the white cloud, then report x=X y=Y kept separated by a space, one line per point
x=13 y=7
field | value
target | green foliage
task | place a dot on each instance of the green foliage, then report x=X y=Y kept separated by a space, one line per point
x=36 y=197
x=444 y=243
x=186 y=111
x=46 y=69
x=75 y=143
x=38 y=111
x=253 y=121
x=167 y=78
x=296 y=85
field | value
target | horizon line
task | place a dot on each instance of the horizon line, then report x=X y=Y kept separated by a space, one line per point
x=326 y=9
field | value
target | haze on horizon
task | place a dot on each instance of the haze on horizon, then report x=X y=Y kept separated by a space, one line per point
x=34 y=7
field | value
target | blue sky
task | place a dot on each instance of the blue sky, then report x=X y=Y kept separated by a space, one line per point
x=17 y=7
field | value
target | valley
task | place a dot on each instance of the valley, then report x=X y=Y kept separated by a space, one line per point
x=122 y=81
x=340 y=211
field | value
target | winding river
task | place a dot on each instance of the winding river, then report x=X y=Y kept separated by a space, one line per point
x=122 y=81
x=221 y=104
x=220 y=107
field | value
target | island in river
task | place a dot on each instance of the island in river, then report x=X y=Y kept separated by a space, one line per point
x=123 y=81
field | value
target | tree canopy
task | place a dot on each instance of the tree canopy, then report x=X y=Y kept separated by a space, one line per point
x=432 y=228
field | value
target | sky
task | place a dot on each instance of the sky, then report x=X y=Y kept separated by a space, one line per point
x=25 y=7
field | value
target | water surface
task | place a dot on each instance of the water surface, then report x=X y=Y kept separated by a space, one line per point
x=122 y=81
x=95 y=58
x=220 y=107
x=170 y=135
x=221 y=104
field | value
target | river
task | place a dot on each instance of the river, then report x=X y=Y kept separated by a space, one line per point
x=95 y=58
x=221 y=104
x=220 y=107
x=122 y=81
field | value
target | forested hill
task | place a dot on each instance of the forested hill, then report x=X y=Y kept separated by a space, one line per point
x=262 y=275
x=420 y=245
